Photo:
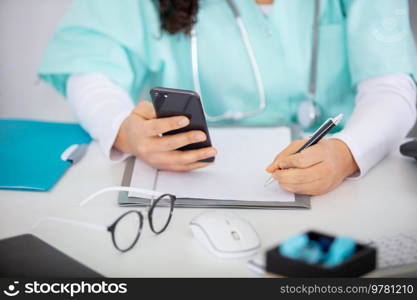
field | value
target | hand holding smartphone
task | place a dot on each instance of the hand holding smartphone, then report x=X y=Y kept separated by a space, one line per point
x=173 y=102
x=175 y=138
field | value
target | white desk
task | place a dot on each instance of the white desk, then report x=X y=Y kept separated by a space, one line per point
x=384 y=202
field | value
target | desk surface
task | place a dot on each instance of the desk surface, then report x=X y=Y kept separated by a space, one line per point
x=384 y=202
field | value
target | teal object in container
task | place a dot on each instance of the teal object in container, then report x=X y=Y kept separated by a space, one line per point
x=30 y=152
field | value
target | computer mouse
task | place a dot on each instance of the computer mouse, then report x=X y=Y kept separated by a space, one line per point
x=225 y=234
x=409 y=149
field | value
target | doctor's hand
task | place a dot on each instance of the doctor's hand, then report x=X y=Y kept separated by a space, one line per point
x=140 y=135
x=314 y=171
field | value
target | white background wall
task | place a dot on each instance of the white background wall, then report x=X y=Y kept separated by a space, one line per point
x=25 y=26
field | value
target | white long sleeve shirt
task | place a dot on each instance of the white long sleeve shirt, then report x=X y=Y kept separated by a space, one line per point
x=100 y=106
x=385 y=111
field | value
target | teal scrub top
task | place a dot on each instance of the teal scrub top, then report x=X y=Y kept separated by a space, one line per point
x=359 y=39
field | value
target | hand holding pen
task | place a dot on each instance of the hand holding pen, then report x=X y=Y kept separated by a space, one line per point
x=303 y=169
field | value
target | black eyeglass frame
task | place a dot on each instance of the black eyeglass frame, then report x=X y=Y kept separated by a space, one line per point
x=113 y=226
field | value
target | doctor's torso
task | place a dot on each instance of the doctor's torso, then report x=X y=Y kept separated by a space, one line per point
x=123 y=40
x=281 y=43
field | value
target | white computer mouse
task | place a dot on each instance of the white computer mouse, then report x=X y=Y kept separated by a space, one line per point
x=225 y=234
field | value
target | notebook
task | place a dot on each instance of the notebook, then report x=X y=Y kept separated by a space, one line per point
x=31 y=152
x=236 y=179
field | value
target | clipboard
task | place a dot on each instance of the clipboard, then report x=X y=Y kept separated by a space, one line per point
x=300 y=201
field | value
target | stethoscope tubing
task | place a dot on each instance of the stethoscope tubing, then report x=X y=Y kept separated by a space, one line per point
x=255 y=66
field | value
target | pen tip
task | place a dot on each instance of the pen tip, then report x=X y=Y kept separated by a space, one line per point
x=268 y=182
x=337 y=119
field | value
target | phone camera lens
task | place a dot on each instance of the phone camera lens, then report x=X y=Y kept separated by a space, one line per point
x=165 y=96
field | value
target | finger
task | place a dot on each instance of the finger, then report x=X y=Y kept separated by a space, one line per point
x=306 y=158
x=145 y=110
x=301 y=176
x=189 y=167
x=292 y=148
x=176 y=141
x=317 y=187
x=159 y=126
x=190 y=156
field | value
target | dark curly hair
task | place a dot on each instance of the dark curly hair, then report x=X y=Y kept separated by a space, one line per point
x=178 y=16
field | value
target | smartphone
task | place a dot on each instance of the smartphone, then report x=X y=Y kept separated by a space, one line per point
x=172 y=102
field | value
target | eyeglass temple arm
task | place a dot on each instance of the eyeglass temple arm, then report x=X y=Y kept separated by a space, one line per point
x=143 y=192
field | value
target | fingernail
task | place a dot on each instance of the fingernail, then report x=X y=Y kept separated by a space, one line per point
x=210 y=153
x=183 y=122
x=283 y=165
x=200 y=137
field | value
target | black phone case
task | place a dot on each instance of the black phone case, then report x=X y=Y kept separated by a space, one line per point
x=173 y=102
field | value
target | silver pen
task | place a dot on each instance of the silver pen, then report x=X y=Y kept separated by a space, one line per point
x=316 y=137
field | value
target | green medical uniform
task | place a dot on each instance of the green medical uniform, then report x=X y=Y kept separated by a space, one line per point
x=359 y=39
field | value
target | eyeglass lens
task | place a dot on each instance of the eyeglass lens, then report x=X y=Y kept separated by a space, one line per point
x=127 y=230
x=160 y=213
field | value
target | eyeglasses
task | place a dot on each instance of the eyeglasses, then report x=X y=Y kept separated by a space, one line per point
x=126 y=230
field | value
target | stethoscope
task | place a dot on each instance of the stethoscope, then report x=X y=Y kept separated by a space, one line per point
x=308 y=111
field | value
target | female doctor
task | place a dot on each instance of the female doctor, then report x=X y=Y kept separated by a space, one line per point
x=254 y=62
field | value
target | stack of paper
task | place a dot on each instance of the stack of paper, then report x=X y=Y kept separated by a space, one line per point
x=238 y=173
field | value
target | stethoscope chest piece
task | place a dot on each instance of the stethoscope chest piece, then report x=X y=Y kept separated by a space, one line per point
x=308 y=114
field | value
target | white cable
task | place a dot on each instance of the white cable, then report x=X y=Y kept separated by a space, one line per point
x=144 y=192
x=71 y=222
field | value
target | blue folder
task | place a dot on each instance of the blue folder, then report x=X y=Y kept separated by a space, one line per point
x=30 y=152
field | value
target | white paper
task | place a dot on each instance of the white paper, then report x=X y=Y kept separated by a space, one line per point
x=237 y=174
x=143 y=176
